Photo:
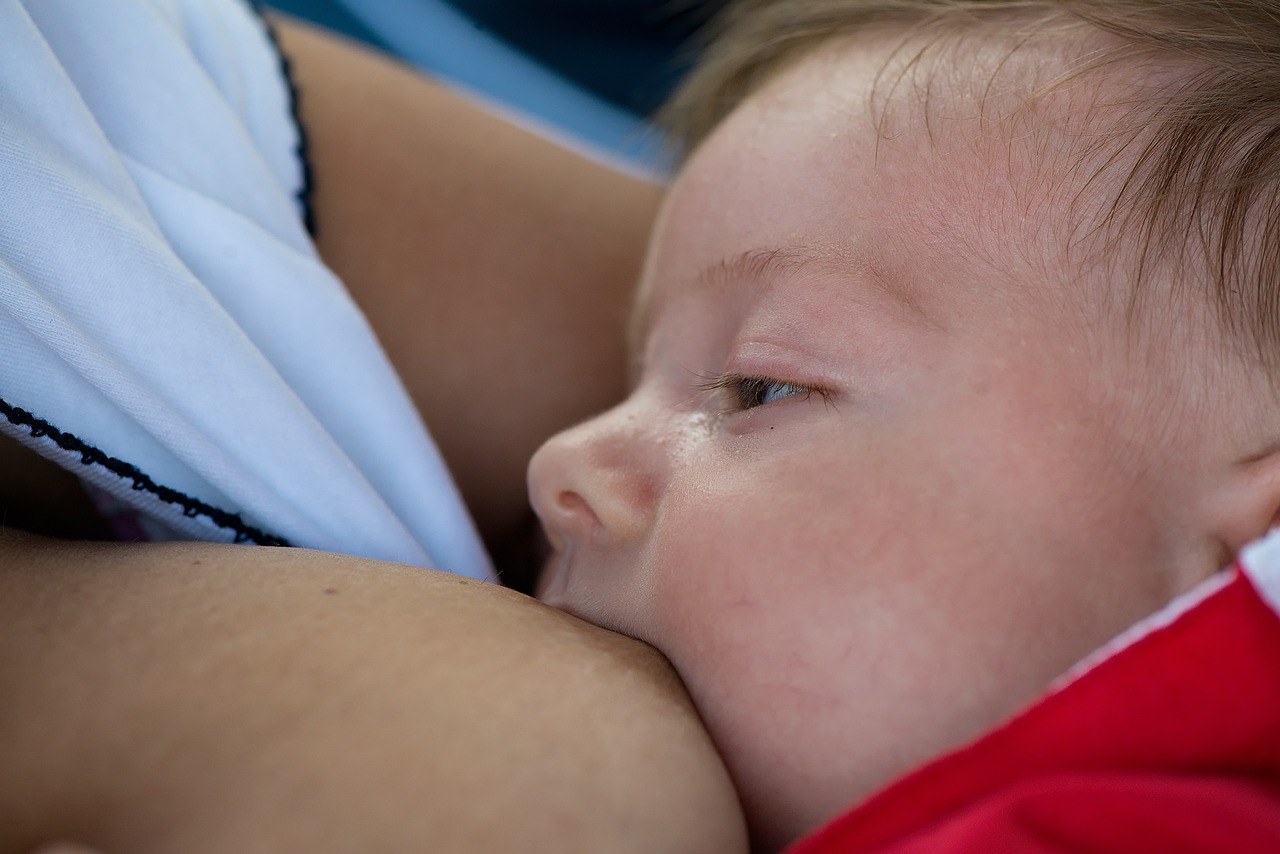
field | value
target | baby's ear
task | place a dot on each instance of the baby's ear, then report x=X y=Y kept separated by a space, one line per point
x=1247 y=503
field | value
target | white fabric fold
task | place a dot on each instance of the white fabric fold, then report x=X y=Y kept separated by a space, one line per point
x=162 y=304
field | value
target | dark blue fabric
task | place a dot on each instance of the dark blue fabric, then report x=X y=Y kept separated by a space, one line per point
x=329 y=15
x=628 y=52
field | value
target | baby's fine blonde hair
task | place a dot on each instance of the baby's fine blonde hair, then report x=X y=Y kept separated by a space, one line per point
x=1205 y=180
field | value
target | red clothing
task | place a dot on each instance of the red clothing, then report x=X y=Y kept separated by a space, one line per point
x=1170 y=743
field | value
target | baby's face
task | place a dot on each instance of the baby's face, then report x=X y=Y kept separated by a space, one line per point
x=875 y=485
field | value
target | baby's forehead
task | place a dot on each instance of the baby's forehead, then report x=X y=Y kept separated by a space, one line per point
x=1009 y=147
x=987 y=84
x=979 y=118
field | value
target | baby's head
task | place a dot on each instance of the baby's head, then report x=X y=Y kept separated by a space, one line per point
x=956 y=351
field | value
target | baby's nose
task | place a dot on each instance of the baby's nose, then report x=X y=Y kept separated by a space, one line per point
x=599 y=479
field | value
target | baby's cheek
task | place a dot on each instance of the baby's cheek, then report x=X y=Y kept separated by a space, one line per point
x=737 y=573
x=710 y=577
x=739 y=627
x=737 y=584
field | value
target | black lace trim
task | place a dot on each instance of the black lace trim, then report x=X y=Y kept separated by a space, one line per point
x=302 y=150
x=91 y=456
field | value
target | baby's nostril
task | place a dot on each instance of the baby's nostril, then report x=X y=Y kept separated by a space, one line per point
x=573 y=503
x=569 y=514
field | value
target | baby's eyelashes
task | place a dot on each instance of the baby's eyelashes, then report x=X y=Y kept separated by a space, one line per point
x=743 y=392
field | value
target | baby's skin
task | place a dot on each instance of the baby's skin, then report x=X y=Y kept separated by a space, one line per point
x=896 y=456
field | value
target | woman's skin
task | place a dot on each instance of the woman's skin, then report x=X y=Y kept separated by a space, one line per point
x=196 y=697
x=203 y=698
x=497 y=268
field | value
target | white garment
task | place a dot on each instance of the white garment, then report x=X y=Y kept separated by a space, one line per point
x=167 y=330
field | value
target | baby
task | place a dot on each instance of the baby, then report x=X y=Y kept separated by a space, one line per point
x=954 y=362
x=954 y=358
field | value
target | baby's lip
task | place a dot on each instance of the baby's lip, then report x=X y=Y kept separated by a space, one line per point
x=553 y=579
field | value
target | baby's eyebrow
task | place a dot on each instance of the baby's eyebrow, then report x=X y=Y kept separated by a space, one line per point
x=764 y=267
x=755 y=265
